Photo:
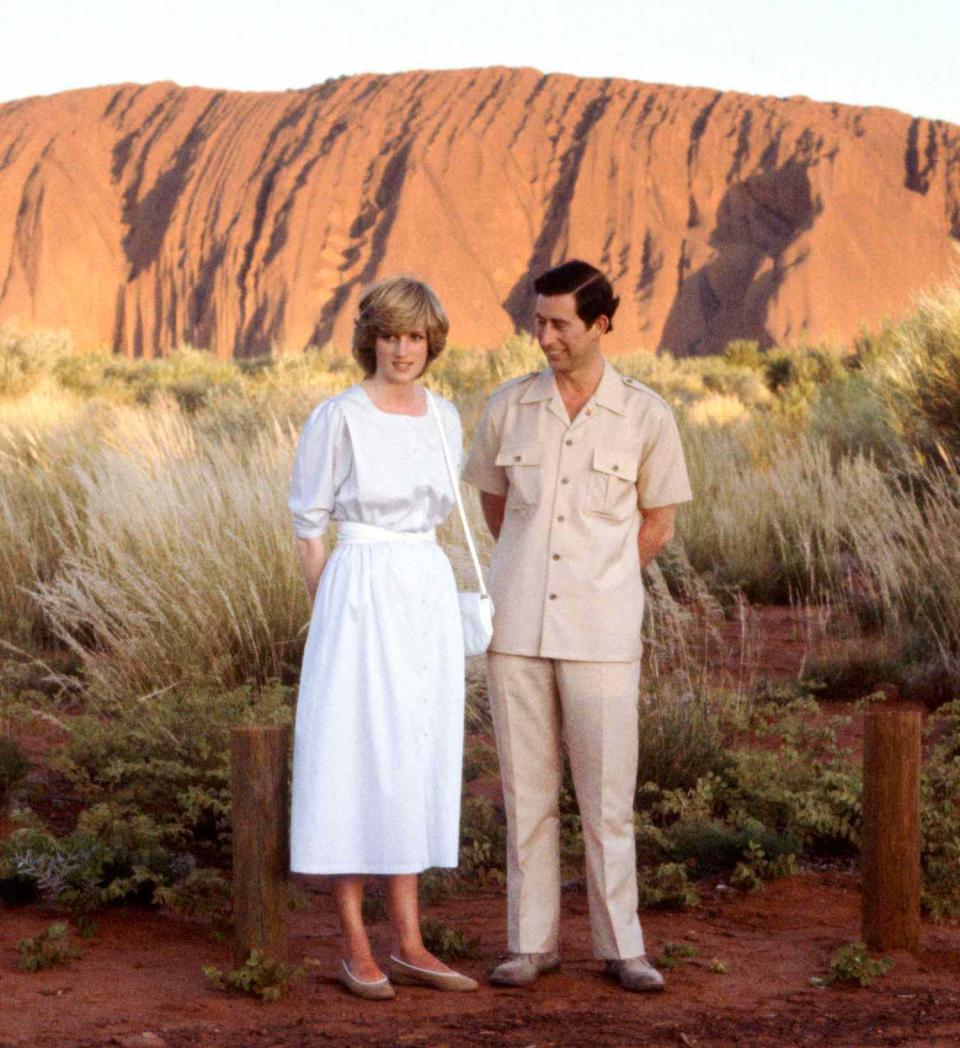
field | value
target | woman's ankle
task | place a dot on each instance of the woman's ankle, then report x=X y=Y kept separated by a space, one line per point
x=417 y=955
x=363 y=966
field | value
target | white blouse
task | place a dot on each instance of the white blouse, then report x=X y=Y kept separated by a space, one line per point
x=356 y=462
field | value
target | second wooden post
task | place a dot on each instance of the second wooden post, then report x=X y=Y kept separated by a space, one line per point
x=258 y=787
x=891 y=829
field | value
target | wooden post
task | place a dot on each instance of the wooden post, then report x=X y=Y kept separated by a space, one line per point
x=891 y=829
x=261 y=861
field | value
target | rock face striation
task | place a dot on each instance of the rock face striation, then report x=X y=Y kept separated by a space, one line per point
x=146 y=217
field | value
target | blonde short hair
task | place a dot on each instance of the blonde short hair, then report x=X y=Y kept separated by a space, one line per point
x=396 y=306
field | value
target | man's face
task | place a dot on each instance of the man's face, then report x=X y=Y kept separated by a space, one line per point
x=566 y=341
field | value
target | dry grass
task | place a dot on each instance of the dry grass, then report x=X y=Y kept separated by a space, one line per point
x=177 y=562
x=918 y=374
x=143 y=518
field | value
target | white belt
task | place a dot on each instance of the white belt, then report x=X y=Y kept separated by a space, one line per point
x=350 y=532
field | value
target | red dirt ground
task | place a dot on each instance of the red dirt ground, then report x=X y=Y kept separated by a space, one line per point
x=141 y=974
x=138 y=983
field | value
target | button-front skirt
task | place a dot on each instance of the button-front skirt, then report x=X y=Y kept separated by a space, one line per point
x=379 y=727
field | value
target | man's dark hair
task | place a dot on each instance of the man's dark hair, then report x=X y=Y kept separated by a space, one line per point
x=591 y=290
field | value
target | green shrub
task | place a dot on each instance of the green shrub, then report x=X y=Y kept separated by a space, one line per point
x=46 y=950
x=675 y=954
x=682 y=738
x=713 y=847
x=850 y=418
x=724 y=378
x=755 y=869
x=483 y=839
x=110 y=857
x=447 y=943
x=258 y=976
x=788 y=789
x=852 y=963
x=66 y=873
x=479 y=760
x=917 y=374
x=800 y=370
x=667 y=887
x=204 y=894
x=814 y=800
x=744 y=353
x=168 y=755
x=13 y=768
x=940 y=814
x=25 y=359
x=857 y=673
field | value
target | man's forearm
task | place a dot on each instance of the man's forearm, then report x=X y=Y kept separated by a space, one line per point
x=656 y=530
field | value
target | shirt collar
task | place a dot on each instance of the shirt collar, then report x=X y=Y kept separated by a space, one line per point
x=610 y=392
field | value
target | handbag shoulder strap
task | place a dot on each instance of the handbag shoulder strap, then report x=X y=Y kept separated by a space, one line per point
x=454 y=481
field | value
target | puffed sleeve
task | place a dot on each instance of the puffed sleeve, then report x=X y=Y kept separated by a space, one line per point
x=481 y=469
x=662 y=479
x=317 y=470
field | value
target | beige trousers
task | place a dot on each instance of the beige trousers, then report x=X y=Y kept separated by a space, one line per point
x=594 y=705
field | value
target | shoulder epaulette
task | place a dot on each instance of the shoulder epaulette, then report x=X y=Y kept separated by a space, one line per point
x=639 y=387
x=511 y=382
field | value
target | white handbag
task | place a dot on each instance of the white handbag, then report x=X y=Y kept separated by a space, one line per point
x=476 y=608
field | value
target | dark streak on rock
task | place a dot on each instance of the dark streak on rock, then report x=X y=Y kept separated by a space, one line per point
x=517 y=301
x=527 y=104
x=151 y=216
x=743 y=147
x=698 y=127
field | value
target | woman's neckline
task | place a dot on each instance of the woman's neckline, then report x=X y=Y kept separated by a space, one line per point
x=393 y=414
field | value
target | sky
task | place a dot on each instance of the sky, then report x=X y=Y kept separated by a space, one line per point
x=861 y=52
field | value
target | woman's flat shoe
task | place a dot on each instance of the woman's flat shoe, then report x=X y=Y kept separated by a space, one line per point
x=377 y=990
x=410 y=975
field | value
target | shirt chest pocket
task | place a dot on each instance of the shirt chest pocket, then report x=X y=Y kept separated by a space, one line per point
x=523 y=467
x=612 y=484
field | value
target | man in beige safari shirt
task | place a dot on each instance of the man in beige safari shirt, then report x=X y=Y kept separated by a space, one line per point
x=580 y=471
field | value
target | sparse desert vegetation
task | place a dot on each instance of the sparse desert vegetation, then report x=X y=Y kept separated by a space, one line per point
x=150 y=599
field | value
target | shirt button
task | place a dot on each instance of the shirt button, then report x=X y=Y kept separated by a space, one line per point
x=564 y=480
x=561 y=518
x=516 y=458
x=556 y=556
x=553 y=596
x=615 y=468
x=568 y=442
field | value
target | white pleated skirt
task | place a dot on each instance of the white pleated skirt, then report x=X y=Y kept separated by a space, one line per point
x=378 y=741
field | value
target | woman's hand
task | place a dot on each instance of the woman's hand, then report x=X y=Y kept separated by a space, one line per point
x=313 y=557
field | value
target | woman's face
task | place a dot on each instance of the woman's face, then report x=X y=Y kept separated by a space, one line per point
x=402 y=358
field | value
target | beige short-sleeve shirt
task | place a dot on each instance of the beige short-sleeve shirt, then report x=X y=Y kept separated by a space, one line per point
x=565 y=574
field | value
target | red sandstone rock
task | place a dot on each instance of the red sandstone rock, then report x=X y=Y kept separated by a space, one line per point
x=142 y=218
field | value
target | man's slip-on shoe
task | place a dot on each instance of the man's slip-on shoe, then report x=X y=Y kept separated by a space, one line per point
x=523 y=969
x=404 y=974
x=377 y=990
x=635 y=973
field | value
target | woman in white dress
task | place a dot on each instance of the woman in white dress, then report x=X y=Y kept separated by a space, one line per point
x=378 y=742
